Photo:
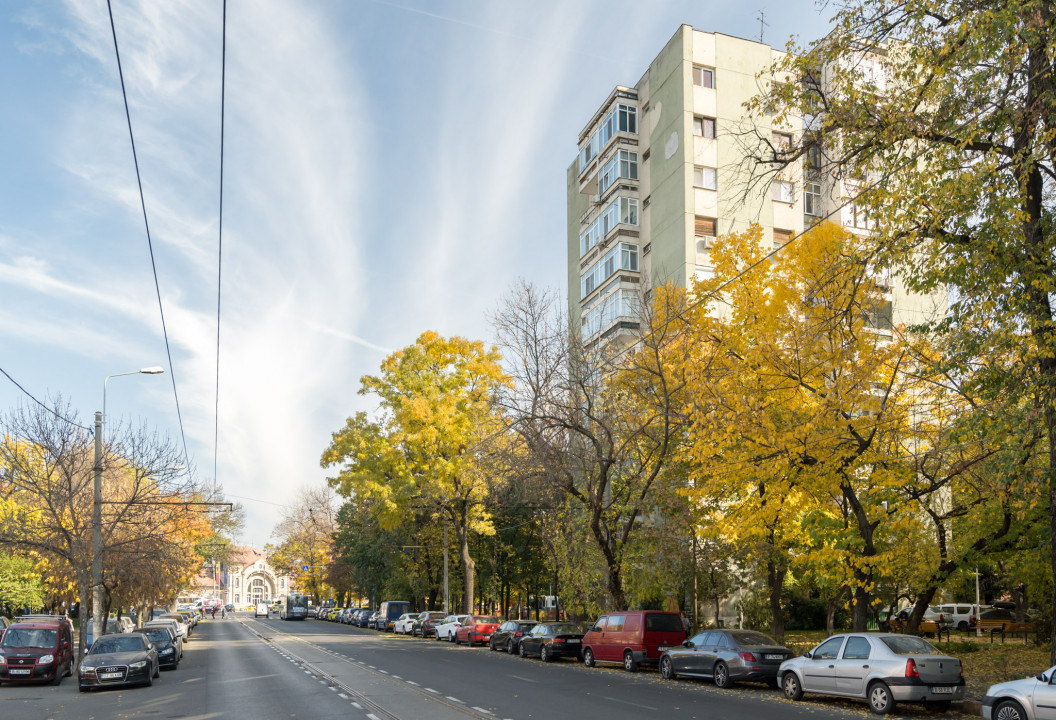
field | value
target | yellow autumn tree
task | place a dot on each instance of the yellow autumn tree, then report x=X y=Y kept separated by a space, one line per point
x=437 y=408
x=803 y=398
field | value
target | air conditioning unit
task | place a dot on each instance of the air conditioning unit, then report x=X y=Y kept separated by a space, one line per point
x=704 y=243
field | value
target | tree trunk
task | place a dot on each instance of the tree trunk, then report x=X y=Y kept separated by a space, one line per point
x=919 y=608
x=860 y=616
x=775 y=580
x=468 y=567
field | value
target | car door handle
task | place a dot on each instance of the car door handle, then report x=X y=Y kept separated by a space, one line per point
x=832 y=666
x=865 y=666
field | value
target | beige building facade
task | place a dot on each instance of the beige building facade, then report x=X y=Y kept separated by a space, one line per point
x=661 y=171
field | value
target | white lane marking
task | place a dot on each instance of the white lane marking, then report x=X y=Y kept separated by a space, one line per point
x=482 y=710
x=412 y=682
x=524 y=678
x=397 y=677
x=356 y=705
x=372 y=716
x=432 y=691
x=372 y=667
x=342 y=695
x=322 y=682
x=382 y=671
x=454 y=699
x=625 y=702
x=307 y=673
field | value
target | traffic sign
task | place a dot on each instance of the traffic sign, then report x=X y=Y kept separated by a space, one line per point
x=304 y=567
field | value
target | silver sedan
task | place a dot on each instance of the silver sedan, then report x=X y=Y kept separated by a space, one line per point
x=1030 y=699
x=882 y=668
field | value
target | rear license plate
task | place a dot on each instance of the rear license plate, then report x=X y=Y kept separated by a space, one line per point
x=774 y=657
x=110 y=676
x=942 y=690
x=661 y=648
x=573 y=642
x=13 y=671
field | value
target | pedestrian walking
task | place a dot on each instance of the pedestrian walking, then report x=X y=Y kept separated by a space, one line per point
x=223 y=613
x=214 y=613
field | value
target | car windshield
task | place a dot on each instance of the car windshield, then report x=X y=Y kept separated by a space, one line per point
x=485 y=619
x=158 y=636
x=117 y=644
x=17 y=637
x=909 y=645
x=744 y=637
x=565 y=629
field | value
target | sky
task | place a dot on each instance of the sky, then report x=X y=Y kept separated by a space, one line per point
x=389 y=168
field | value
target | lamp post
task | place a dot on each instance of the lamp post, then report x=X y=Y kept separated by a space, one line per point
x=98 y=625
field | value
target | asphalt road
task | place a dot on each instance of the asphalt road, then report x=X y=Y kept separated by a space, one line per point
x=262 y=669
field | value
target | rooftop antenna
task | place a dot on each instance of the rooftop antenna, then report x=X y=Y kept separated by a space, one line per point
x=763 y=24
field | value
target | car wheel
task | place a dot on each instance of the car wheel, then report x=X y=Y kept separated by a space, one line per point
x=1008 y=710
x=791 y=687
x=57 y=680
x=150 y=680
x=667 y=668
x=722 y=675
x=588 y=657
x=456 y=641
x=82 y=688
x=881 y=701
x=544 y=654
x=509 y=647
x=522 y=650
x=157 y=670
x=629 y=663
x=962 y=626
x=491 y=645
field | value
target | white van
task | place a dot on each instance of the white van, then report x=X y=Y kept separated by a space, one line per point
x=961 y=616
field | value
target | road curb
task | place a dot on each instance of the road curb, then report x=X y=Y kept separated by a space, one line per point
x=972 y=707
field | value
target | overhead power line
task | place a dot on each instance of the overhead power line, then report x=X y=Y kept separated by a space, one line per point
x=38 y=402
x=220 y=239
x=146 y=225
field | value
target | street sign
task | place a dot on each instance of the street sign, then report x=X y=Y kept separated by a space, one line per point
x=304 y=567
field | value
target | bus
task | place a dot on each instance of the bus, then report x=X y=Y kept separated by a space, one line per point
x=293 y=607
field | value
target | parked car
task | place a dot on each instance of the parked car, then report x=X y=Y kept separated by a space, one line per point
x=402 y=624
x=726 y=656
x=4 y=623
x=374 y=620
x=1029 y=699
x=125 y=659
x=446 y=629
x=181 y=625
x=390 y=611
x=164 y=643
x=229 y=607
x=261 y=610
x=361 y=618
x=550 y=641
x=882 y=668
x=476 y=628
x=998 y=614
x=962 y=616
x=508 y=635
x=40 y=650
x=632 y=638
x=425 y=623
x=168 y=627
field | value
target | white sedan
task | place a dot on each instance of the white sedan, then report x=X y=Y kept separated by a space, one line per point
x=446 y=629
x=261 y=610
x=403 y=623
x=1030 y=699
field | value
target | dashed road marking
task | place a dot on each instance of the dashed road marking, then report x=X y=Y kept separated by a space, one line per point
x=482 y=710
x=454 y=699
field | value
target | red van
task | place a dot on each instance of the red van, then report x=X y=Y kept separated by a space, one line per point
x=40 y=649
x=632 y=637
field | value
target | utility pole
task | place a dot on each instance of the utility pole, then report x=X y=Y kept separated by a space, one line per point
x=97 y=531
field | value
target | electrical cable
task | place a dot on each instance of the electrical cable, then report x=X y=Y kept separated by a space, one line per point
x=220 y=240
x=38 y=402
x=146 y=224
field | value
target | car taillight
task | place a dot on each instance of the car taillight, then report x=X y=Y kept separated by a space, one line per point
x=748 y=657
x=559 y=640
x=518 y=633
x=911 y=668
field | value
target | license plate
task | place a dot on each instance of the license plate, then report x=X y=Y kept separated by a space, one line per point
x=13 y=671
x=661 y=648
x=110 y=676
x=942 y=690
x=774 y=657
x=573 y=642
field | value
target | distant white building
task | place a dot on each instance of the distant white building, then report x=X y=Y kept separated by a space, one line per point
x=247 y=579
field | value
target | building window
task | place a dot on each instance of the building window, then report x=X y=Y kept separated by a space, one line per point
x=703 y=76
x=622 y=118
x=614 y=304
x=812 y=199
x=704 y=226
x=814 y=159
x=620 y=210
x=624 y=164
x=623 y=256
x=783 y=192
x=782 y=142
x=704 y=127
x=705 y=177
x=781 y=237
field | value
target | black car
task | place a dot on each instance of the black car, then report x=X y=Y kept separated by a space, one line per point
x=163 y=642
x=726 y=656
x=508 y=635
x=425 y=625
x=125 y=659
x=552 y=640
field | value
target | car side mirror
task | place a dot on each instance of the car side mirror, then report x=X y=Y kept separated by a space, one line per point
x=687 y=643
x=807 y=654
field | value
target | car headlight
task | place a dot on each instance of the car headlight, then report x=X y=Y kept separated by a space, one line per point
x=46 y=659
x=137 y=665
x=86 y=669
x=166 y=651
x=3 y=660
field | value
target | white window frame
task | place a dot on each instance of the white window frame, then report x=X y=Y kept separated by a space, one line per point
x=784 y=192
x=705 y=178
x=704 y=76
x=812 y=199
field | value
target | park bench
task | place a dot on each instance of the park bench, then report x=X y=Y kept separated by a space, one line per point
x=930 y=627
x=1015 y=629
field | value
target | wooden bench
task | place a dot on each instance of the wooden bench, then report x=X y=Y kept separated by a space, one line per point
x=930 y=627
x=1015 y=629
x=992 y=627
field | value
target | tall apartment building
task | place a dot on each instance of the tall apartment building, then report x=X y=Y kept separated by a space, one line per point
x=659 y=175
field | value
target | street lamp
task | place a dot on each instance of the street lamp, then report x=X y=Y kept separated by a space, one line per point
x=98 y=625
